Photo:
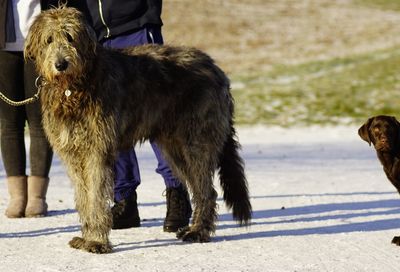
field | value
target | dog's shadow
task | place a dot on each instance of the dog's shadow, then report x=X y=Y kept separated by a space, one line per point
x=41 y=232
x=53 y=213
x=147 y=244
x=370 y=226
x=317 y=213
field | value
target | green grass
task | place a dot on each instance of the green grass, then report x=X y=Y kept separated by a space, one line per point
x=385 y=4
x=338 y=91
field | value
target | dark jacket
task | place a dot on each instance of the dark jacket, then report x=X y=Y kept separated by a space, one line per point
x=108 y=17
x=115 y=17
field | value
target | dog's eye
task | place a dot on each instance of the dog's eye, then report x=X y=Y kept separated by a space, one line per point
x=49 y=40
x=69 y=37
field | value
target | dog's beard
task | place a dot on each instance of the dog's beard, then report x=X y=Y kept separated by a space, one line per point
x=62 y=81
x=62 y=78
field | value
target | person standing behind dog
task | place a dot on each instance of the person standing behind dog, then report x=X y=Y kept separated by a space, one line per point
x=120 y=24
x=17 y=81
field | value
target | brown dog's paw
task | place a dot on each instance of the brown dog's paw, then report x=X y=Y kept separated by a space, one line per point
x=97 y=247
x=396 y=240
x=195 y=236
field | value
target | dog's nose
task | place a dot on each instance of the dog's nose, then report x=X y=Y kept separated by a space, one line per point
x=61 y=65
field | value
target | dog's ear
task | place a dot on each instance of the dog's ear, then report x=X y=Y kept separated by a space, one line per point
x=363 y=131
x=32 y=42
x=397 y=126
x=394 y=120
x=93 y=39
x=87 y=36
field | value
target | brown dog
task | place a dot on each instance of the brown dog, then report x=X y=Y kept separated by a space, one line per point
x=384 y=133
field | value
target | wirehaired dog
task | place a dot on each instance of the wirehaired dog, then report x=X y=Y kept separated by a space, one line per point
x=384 y=133
x=96 y=102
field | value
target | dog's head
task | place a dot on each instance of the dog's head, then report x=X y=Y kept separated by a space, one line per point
x=61 y=43
x=382 y=131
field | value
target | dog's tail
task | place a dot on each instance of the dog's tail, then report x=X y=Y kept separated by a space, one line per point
x=233 y=180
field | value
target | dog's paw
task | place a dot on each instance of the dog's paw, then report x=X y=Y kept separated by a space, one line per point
x=97 y=247
x=195 y=236
x=181 y=232
x=90 y=246
x=396 y=240
x=77 y=242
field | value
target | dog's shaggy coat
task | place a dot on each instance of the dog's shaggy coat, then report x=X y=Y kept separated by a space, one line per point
x=97 y=101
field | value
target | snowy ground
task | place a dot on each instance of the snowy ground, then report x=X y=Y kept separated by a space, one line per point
x=320 y=198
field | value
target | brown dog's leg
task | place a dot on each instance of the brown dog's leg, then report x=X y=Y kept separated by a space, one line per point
x=396 y=240
x=395 y=174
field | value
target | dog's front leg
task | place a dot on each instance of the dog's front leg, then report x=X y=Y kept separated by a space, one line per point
x=92 y=196
x=395 y=174
x=391 y=166
x=395 y=179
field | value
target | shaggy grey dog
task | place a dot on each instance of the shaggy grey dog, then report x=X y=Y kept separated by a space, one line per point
x=97 y=102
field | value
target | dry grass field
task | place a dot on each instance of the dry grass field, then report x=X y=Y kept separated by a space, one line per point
x=253 y=35
x=282 y=55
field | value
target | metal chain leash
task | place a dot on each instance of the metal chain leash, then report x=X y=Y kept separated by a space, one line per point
x=29 y=100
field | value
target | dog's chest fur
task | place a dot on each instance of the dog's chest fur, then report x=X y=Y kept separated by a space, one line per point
x=72 y=122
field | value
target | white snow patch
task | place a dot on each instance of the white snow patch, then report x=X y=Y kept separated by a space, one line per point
x=321 y=203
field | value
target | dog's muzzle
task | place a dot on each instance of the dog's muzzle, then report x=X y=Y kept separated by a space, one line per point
x=61 y=65
x=383 y=147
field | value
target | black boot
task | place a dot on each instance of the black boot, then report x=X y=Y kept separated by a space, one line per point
x=125 y=213
x=178 y=209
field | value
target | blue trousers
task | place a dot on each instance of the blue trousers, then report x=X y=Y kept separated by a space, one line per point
x=127 y=174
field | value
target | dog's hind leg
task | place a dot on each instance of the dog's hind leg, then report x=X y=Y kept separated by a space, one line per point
x=204 y=215
x=195 y=165
x=92 y=196
x=200 y=182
